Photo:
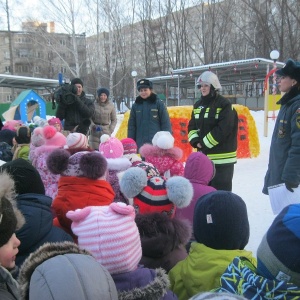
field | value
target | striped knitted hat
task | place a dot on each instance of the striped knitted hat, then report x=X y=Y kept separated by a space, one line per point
x=278 y=253
x=155 y=194
x=76 y=140
x=110 y=234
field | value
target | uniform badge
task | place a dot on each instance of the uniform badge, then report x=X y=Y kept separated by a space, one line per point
x=298 y=111
x=281 y=132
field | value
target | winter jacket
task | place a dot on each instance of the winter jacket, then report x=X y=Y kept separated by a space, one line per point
x=167 y=161
x=202 y=269
x=284 y=157
x=104 y=121
x=21 y=151
x=214 y=124
x=9 y=288
x=163 y=240
x=241 y=278
x=147 y=117
x=143 y=283
x=76 y=113
x=38 y=228
x=79 y=192
x=199 y=170
x=5 y=152
x=62 y=271
x=39 y=161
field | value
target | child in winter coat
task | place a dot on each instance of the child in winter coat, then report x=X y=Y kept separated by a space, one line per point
x=52 y=140
x=111 y=235
x=164 y=155
x=112 y=149
x=56 y=123
x=199 y=170
x=277 y=275
x=130 y=151
x=221 y=230
x=82 y=183
x=11 y=219
x=155 y=200
x=21 y=143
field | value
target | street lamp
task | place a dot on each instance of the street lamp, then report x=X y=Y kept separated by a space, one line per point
x=134 y=74
x=274 y=55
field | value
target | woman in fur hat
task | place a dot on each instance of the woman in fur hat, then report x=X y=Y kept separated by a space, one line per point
x=104 y=119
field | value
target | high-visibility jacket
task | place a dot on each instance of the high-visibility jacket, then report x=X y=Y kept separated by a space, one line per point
x=214 y=124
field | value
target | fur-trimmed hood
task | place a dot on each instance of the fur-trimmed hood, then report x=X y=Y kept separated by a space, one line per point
x=151 y=98
x=160 y=235
x=154 y=151
x=157 y=288
x=118 y=164
x=47 y=283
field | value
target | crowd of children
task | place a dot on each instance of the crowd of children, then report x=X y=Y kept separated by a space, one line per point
x=78 y=223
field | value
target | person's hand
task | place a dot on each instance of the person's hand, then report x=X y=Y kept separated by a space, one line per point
x=290 y=186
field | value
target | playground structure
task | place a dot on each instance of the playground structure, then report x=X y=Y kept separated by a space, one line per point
x=27 y=105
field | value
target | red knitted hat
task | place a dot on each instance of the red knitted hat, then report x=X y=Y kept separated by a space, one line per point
x=154 y=198
x=129 y=145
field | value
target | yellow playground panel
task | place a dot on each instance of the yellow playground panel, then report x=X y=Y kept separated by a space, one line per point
x=248 y=142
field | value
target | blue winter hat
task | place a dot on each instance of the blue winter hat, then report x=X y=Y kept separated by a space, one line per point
x=221 y=221
x=101 y=91
x=278 y=255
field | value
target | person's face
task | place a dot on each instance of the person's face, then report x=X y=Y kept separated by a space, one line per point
x=57 y=127
x=8 y=252
x=204 y=89
x=103 y=97
x=79 y=89
x=285 y=83
x=145 y=92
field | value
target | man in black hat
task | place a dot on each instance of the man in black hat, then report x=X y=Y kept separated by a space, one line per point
x=77 y=114
x=284 y=159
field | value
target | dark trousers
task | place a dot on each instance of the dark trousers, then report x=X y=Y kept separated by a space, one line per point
x=223 y=177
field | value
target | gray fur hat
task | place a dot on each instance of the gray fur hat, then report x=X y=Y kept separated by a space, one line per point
x=58 y=271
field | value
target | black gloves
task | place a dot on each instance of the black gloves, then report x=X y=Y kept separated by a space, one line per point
x=291 y=185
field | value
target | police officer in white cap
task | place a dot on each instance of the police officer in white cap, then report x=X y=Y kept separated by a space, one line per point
x=213 y=128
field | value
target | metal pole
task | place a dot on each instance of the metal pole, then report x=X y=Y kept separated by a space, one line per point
x=266 y=104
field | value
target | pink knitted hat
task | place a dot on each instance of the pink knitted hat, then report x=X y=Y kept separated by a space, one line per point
x=76 y=140
x=110 y=234
x=110 y=147
x=12 y=125
x=55 y=121
x=53 y=137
